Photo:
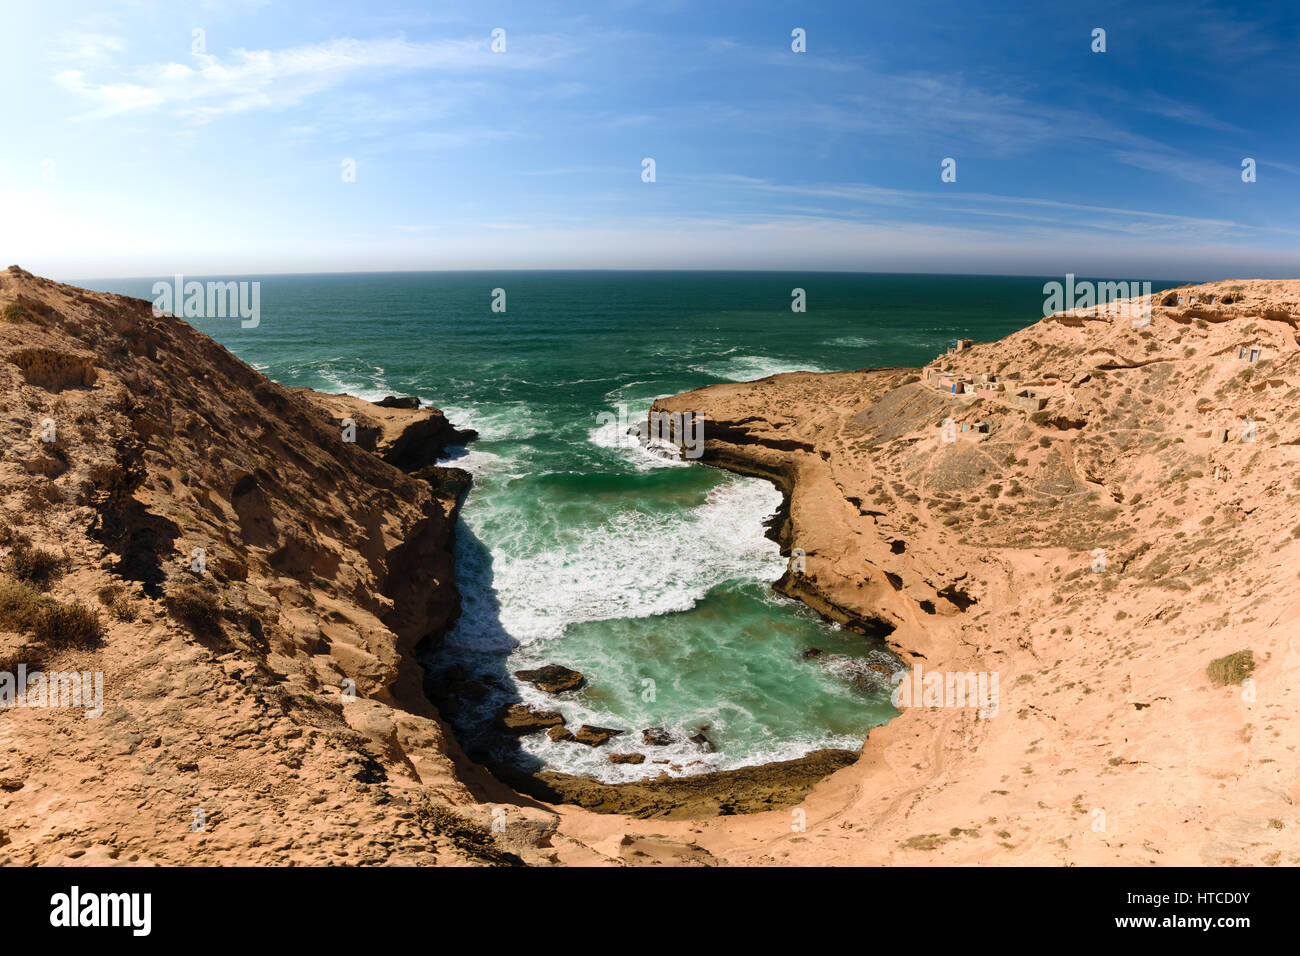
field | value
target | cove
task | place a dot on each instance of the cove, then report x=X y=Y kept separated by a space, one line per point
x=575 y=547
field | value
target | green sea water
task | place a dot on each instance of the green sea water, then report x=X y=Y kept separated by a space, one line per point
x=578 y=546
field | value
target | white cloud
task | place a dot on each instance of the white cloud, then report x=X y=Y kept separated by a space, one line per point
x=275 y=79
x=87 y=48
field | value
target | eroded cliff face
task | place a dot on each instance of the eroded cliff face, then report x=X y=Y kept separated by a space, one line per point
x=262 y=585
x=1102 y=509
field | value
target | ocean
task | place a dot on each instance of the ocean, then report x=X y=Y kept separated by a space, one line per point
x=577 y=546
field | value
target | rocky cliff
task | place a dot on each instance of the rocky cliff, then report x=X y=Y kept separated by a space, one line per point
x=251 y=586
x=1100 y=510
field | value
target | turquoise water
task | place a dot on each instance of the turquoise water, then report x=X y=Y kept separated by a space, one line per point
x=579 y=547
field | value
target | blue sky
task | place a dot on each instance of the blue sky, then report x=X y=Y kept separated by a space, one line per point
x=129 y=153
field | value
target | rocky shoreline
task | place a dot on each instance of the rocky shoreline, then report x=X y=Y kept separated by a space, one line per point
x=1066 y=523
x=665 y=794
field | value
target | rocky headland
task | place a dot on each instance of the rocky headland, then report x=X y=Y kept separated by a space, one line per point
x=1100 y=510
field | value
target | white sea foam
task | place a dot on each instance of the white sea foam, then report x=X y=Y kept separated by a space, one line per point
x=636 y=564
x=476 y=461
x=745 y=368
x=368 y=383
x=612 y=434
x=512 y=421
x=682 y=757
x=861 y=670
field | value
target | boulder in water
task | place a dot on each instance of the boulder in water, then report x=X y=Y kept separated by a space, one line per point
x=553 y=678
x=522 y=719
x=657 y=736
x=595 y=736
x=702 y=740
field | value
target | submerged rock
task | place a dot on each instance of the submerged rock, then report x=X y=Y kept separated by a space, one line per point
x=657 y=736
x=702 y=740
x=553 y=678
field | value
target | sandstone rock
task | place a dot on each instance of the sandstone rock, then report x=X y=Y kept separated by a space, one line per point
x=702 y=740
x=595 y=736
x=632 y=758
x=657 y=736
x=553 y=678
x=446 y=482
x=522 y=719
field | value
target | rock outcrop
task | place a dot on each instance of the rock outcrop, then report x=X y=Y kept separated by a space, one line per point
x=1107 y=508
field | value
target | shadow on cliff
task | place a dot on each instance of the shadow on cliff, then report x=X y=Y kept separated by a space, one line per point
x=466 y=673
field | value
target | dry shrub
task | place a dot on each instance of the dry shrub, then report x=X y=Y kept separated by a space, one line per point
x=19 y=604
x=124 y=609
x=38 y=567
x=67 y=625
x=113 y=597
x=25 y=610
x=1232 y=668
x=194 y=606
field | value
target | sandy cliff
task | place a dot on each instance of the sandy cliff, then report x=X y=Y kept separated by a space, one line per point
x=261 y=586
x=1111 y=513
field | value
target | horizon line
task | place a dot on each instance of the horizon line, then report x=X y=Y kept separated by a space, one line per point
x=848 y=272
